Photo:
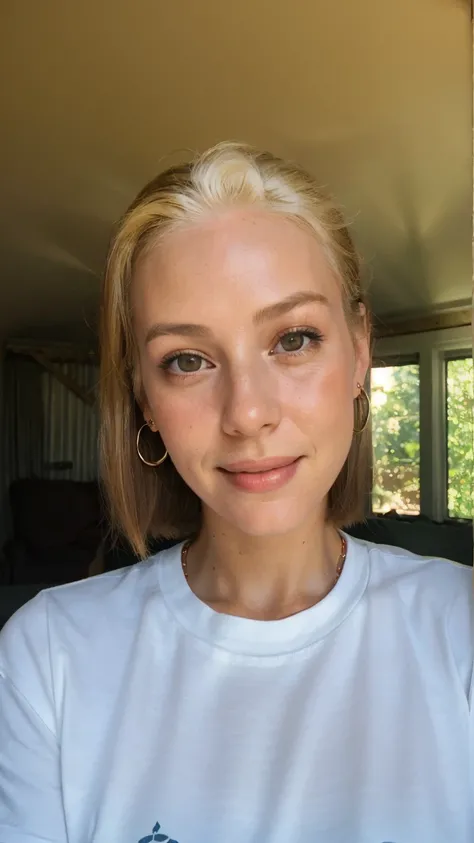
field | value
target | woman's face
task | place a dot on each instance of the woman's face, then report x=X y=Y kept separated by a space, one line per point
x=247 y=366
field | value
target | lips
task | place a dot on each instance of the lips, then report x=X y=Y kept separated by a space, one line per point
x=261 y=476
x=258 y=466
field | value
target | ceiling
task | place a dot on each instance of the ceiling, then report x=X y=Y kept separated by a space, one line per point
x=373 y=97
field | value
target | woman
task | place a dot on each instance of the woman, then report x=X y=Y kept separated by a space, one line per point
x=269 y=678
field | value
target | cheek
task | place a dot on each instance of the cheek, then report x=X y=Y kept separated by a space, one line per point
x=325 y=397
x=182 y=428
x=174 y=421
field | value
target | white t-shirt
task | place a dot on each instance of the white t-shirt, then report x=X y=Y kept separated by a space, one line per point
x=131 y=712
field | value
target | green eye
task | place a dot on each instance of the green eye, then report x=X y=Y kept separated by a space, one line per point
x=296 y=341
x=188 y=362
x=184 y=363
x=292 y=342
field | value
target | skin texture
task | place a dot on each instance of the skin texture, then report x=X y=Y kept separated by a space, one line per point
x=251 y=384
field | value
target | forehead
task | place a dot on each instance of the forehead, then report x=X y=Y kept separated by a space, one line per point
x=247 y=258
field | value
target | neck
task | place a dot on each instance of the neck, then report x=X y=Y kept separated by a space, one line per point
x=267 y=577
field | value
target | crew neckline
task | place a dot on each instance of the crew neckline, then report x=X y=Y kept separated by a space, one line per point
x=249 y=637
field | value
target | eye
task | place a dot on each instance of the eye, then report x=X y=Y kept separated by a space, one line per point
x=293 y=342
x=185 y=363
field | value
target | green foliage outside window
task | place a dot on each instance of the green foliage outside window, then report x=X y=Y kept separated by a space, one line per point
x=459 y=400
x=396 y=438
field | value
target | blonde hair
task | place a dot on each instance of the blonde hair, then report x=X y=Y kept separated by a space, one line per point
x=145 y=502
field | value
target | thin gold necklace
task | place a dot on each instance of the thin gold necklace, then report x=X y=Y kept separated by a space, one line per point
x=340 y=561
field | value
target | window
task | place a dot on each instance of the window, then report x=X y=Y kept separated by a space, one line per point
x=395 y=395
x=459 y=437
x=422 y=396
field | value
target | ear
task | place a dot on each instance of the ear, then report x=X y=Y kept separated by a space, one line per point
x=141 y=399
x=362 y=340
x=145 y=410
x=147 y=416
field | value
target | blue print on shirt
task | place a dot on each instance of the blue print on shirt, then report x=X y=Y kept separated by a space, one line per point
x=157 y=835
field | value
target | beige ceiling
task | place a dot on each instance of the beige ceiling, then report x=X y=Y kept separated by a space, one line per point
x=374 y=96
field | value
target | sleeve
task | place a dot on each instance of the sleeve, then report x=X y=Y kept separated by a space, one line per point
x=471 y=724
x=31 y=806
x=461 y=635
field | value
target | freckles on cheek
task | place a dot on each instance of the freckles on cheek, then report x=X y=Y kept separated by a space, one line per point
x=179 y=423
x=325 y=393
x=171 y=420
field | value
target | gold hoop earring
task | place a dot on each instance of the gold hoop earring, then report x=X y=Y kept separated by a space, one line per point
x=364 y=397
x=147 y=462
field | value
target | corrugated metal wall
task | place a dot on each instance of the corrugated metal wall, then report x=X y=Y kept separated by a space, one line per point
x=43 y=425
x=70 y=425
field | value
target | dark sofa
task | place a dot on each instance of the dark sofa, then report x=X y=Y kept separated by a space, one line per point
x=57 y=528
x=418 y=535
x=449 y=540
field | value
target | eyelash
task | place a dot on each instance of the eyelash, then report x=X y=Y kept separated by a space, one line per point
x=314 y=336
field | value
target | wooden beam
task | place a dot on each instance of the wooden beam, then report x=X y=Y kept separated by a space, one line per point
x=62 y=377
x=422 y=324
x=57 y=352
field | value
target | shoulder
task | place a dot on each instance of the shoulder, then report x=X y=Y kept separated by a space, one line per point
x=438 y=583
x=434 y=595
x=412 y=573
x=77 y=615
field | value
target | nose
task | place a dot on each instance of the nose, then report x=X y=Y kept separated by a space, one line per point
x=251 y=402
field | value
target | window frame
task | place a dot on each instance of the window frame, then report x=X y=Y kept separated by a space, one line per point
x=432 y=349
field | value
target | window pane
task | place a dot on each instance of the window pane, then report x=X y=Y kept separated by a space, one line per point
x=396 y=438
x=459 y=400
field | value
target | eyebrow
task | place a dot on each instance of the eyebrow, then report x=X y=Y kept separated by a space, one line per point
x=185 y=329
x=272 y=311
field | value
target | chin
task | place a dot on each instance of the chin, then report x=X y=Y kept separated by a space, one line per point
x=272 y=518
